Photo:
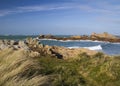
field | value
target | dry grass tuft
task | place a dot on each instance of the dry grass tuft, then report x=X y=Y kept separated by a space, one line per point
x=17 y=69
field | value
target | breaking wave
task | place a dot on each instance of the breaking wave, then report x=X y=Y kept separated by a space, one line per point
x=98 y=47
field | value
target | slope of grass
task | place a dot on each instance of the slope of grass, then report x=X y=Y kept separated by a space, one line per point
x=17 y=68
x=98 y=70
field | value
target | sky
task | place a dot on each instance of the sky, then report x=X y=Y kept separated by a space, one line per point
x=59 y=17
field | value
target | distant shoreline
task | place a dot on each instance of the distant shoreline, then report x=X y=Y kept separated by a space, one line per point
x=103 y=37
x=93 y=37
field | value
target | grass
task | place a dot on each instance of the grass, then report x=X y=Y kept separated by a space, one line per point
x=98 y=70
x=18 y=68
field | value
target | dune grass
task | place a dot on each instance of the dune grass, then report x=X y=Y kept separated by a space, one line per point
x=18 y=68
x=98 y=70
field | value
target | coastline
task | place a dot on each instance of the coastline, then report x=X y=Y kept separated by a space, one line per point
x=78 y=40
x=32 y=63
x=33 y=45
x=105 y=37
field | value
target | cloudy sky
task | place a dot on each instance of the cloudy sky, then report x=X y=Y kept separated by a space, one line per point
x=59 y=16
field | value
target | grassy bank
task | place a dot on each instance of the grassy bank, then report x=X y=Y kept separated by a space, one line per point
x=18 y=68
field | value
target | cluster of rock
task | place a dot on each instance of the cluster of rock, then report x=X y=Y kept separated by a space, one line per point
x=12 y=44
x=18 y=45
x=104 y=37
x=94 y=36
x=37 y=49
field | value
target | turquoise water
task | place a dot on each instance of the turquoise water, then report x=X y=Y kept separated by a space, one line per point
x=106 y=47
x=16 y=37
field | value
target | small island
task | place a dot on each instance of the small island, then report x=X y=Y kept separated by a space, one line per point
x=94 y=36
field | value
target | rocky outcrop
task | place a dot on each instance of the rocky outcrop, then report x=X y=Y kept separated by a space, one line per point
x=76 y=37
x=57 y=51
x=37 y=49
x=13 y=44
x=67 y=53
x=46 y=36
x=94 y=36
x=103 y=35
x=60 y=52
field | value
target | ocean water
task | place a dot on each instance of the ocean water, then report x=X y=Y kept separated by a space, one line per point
x=106 y=47
x=16 y=37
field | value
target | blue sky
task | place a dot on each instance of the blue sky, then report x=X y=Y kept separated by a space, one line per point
x=68 y=17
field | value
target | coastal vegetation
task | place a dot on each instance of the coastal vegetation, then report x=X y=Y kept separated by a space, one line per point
x=18 y=68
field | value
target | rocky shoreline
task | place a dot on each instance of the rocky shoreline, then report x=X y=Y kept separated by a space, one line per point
x=94 y=36
x=38 y=49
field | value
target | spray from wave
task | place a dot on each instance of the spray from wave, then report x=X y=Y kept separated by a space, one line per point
x=98 y=47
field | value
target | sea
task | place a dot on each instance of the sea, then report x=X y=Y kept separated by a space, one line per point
x=105 y=47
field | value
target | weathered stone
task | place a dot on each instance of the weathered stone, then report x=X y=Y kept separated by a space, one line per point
x=67 y=53
x=36 y=49
x=94 y=36
x=76 y=37
x=46 y=36
x=103 y=35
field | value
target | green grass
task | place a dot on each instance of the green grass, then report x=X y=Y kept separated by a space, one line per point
x=65 y=72
x=85 y=71
x=18 y=68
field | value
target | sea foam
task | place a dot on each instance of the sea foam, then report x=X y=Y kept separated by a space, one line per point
x=98 y=47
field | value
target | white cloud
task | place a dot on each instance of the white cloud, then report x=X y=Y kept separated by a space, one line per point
x=37 y=8
x=100 y=8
